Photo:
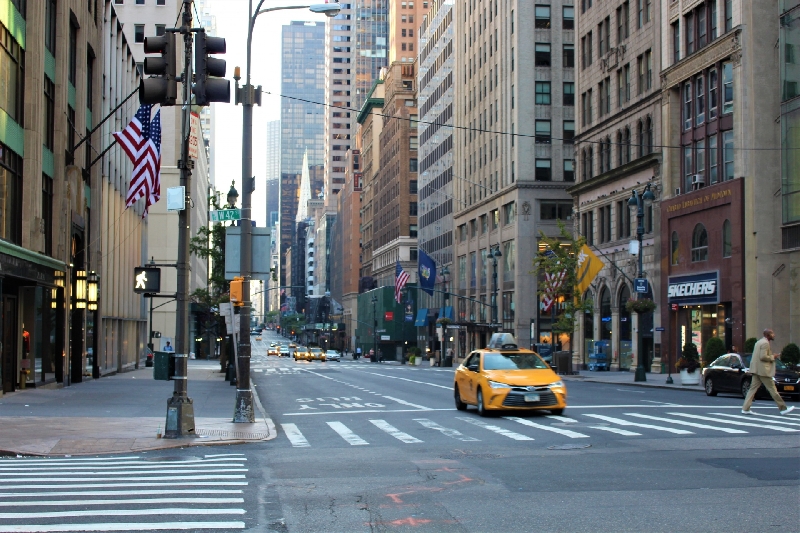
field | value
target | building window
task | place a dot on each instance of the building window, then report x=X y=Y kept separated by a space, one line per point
x=728 y=15
x=509 y=213
x=484 y=224
x=688 y=166
x=542 y=14
x=462 y=272
x=569 y=132
x=727 y=88
x=542 y=57
x=701 y=27
x=11 y=199
x=588 y=227
x=623 y=22
x=555 y=210
x=569 y=18
x=138 y=33
x=47 y=213
x=12 y=76
x=161 y=29
x=569 y=55
x=462 y=233
x=73 y=53
x=727 y=154
x=586 y=50
x=543 y=170
x=51 y=11
x=89 y=79
x=688 y=116
x=569 y=170
x=605 y=97
x=689 y=25
x=713 y=164
x=623 y=216
x=700 y=101
x=699 y=244
x=139 y=2
x=543 y=132
x=508 y=311
x=49 y=114
x=412 y=209
x=712 y=94
x=727 y=239
x=676 y=42
x=700 y=161
x=543 y=92
x=569 y=93
x=675 y=255
x=473 y=226
x=412 y=230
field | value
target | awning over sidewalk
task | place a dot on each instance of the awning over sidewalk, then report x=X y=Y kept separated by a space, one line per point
x=422 y=317
x=446 y=312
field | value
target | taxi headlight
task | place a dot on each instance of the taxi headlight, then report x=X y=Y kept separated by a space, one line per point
x=557 y=385
x=497 y=385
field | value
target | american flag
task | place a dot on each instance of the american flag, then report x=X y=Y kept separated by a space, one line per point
x=400 y=280
x=552 y=282
x=141 y=140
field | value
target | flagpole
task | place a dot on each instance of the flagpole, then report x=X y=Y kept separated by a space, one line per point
x=180 y=409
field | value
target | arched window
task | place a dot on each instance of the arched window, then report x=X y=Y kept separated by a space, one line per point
x=649 y=136
x=624 y=314
x=640 y=138
x=675 y=248
x=605 y=314
x=588 y=317
x=699 y=244
x=627 y=142
x=727 y=239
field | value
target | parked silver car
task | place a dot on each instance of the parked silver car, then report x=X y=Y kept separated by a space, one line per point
x=333 y=355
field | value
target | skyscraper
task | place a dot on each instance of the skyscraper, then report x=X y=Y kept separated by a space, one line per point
x=371 y=44
x=273 y=172
x=302 y=116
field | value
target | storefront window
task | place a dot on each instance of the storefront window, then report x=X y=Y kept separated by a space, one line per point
x=699 y=244
x=625 y=344
x=588 y=325
x=483 y=268
x=11 y=196
x=509 y=261
x=605 y=315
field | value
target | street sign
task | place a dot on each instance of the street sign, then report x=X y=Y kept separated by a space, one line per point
x=146 y=280
x=223 y=215
x=660 y=328
x=388 y=316
x=194 y=134
x=640 y=285
x=385 y=337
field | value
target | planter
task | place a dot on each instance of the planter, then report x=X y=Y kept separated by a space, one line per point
x=418 y=361
x=690 y=378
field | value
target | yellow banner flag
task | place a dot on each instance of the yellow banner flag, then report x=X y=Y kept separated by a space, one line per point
x=589 y=265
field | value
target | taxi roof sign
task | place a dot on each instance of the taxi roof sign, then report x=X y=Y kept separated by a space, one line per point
x=503 y=341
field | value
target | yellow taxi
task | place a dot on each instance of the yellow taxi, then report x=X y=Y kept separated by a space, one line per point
x=301 y=354
x=315 y=354
x=274 y=349
x=503 y=376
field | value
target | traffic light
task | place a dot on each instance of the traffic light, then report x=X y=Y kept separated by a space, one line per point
x=237 y=292
x=162 y=89
x=209 y=72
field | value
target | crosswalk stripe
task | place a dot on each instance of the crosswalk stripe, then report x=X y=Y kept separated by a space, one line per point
x=157 y=478
x=120 y=512
x=618 y=431
x=295 y=437
x=131 y=501
x=394 y=432
x=647 y=426
x=114 y=526
x=496 y=429
x=117 y=485
x=684 y=423
x=78 y=473
x=346 y=434
x=565 y=432
x=118 y=493
x=735 y=422
x=32 y=467
x=32 y=463
x=761 y=417
x=452 y=433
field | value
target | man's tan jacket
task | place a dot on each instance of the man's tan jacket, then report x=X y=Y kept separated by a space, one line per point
x=763 y=362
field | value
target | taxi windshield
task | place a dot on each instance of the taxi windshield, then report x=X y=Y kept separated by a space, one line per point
x=512 y=361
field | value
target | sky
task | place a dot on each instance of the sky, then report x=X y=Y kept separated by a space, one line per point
x=232 y=19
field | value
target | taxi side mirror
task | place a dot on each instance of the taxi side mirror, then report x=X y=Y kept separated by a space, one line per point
x=472 y=368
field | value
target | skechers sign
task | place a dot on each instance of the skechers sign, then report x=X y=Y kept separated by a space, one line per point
x=694 y=289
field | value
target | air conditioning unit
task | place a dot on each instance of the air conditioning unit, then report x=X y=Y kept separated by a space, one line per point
x=698 y=181
x=677 y=191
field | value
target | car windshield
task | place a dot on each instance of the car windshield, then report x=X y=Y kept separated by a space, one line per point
x=512 y=361
x=778 y=363
x=315 y=350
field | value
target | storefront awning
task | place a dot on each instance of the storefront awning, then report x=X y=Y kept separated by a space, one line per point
x=446 y=312
x=422 y=317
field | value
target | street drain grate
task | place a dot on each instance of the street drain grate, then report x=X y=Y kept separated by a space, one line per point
x=569 y=447
x=470 y=456
x=230 y=434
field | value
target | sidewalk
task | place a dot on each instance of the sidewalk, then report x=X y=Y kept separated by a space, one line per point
x=122 y=414
x=627 y=378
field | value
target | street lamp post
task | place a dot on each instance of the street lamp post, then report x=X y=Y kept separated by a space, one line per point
x=374 y=357
x=640 y=201
x=494 y=253
x=246 y=95
x=443 y=361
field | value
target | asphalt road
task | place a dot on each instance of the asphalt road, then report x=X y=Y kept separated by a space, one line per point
x=367 y=447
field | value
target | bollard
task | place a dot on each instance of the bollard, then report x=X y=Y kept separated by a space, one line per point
x=23 y=378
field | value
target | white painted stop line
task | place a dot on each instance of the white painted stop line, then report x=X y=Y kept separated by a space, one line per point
x=394 y=432
x=295 y=437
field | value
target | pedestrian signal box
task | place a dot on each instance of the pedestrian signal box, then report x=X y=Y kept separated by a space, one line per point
x=163 y=365
x=237 y=291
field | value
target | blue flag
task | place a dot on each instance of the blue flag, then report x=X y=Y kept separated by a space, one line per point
x=426 y=272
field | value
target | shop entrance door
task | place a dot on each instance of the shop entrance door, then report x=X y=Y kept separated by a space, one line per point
x=9 y=352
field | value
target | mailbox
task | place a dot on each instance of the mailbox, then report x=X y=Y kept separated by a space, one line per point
x=163 y=365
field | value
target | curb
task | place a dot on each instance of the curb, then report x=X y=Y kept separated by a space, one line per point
x=632 y=384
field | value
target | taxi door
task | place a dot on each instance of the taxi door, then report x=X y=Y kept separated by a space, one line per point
x=467 y=378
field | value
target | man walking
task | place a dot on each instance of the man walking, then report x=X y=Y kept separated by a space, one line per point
x=762 y=368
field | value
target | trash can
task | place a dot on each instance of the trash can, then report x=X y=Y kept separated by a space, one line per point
x=564 y=363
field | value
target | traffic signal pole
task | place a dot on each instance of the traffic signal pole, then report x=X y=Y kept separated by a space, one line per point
x=180 y=409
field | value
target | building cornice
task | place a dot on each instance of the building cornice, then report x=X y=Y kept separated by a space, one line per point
x=728 y=45
x=615 y=174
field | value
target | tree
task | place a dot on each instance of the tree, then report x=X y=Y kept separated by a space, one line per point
x=714 y=348
x=750 y=344
x=790 y=355
x=560 y=255
x=209 y=244
x=292 y=323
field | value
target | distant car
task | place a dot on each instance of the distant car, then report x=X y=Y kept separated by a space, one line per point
x=315 y=354
x=301 y=354
x=333 y=355
x=274 y=349
x=729 y=373
x=285 y=350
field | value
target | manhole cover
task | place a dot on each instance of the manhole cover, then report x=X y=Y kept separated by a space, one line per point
x=470 y=456
x=569 y=447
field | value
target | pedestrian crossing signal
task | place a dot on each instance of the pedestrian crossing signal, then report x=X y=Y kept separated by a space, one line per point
x=237 y=291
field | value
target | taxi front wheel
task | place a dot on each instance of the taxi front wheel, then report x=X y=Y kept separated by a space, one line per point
x=481 y=409
x=460 y=405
